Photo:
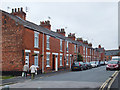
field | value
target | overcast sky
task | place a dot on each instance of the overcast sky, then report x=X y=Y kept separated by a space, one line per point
x=96 y=22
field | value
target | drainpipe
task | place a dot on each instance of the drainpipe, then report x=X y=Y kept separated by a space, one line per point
x=43 y=54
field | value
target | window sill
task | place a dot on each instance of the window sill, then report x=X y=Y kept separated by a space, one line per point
x=48 y=48
x=36 y=47
x=47 y=65
x=61 y=51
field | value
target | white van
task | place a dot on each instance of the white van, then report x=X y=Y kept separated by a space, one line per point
x=116 y=58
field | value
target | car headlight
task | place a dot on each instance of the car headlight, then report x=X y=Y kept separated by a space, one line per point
x=107 y=66
x=116 y=66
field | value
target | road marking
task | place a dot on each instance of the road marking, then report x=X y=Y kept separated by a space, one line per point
x=107 y=81
x=109 y=86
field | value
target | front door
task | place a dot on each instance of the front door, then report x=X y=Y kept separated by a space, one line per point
x=27 y=58
x=53 y=62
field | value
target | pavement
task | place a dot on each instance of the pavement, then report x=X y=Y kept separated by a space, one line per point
x=18 y=79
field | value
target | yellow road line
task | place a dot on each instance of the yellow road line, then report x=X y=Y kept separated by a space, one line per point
x=112 y=81
x=106 y=82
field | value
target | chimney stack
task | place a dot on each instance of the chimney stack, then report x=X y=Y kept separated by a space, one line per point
x=85 y=42
x=99 y=46
x=19 y=13
x=90 y=44
x=45 y=24
x=72 y=36
x=61 y=31
x=80 y=40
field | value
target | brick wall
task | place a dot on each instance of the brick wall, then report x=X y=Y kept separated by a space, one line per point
x=12 y=41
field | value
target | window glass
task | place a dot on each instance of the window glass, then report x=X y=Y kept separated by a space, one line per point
x=36 y=60
x=67 y=60
x=67 y=46
x=48 y=59
x=60 y=45
x=48 y=37
x=60 y=60
x=36 y=39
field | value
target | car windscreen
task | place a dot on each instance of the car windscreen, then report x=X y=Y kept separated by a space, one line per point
x=112 y=62
x=92 y=62
x=76 y=64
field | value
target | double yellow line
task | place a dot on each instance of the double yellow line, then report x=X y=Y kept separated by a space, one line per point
x=109 y=81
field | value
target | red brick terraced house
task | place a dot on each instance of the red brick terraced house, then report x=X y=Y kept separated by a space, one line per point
x=25 y=42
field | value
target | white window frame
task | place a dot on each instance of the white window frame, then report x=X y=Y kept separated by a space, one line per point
x=36 y=39
x=36 y=58
x=48 y=59
x=67 y=59
x=61 y=59
x=75 y=48
x=67 y=49
x=61 y=45
x=90 y=51
x=47 y=42
x=84 y=50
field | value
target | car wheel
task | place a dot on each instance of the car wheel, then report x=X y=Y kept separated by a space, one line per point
x=81 y=69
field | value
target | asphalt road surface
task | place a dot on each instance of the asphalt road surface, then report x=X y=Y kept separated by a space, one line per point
x=92 y=78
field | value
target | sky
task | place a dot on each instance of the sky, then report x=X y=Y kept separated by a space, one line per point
x=93 y=20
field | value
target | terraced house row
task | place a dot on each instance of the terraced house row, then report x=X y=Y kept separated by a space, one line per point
x=25 y=42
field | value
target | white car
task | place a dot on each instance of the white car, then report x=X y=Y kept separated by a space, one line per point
x=93 y=64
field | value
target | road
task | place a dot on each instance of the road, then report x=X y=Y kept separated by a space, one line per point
x=92 y=78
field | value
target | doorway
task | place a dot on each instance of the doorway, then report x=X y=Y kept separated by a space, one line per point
x=27 y=58
x=53 y=62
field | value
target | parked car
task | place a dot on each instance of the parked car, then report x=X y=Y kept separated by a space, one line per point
x=102 y=63
x=88 y=65
x=93 y=63
x=77 y=66
x=84 y=65
x=98 y=63
x=106 y=62
x=113 y=64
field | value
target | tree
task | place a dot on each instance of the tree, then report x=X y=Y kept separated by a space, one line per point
x=79 y=57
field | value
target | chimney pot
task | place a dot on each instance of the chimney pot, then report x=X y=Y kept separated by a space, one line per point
x=15 y=10
x=12 y=10
x=57 y=30
x=48 y=22
x=21 y=9
x=18 y=9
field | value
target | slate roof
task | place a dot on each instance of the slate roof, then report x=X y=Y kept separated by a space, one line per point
x=33 y=26
x=99 y=49
x=111 y=52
